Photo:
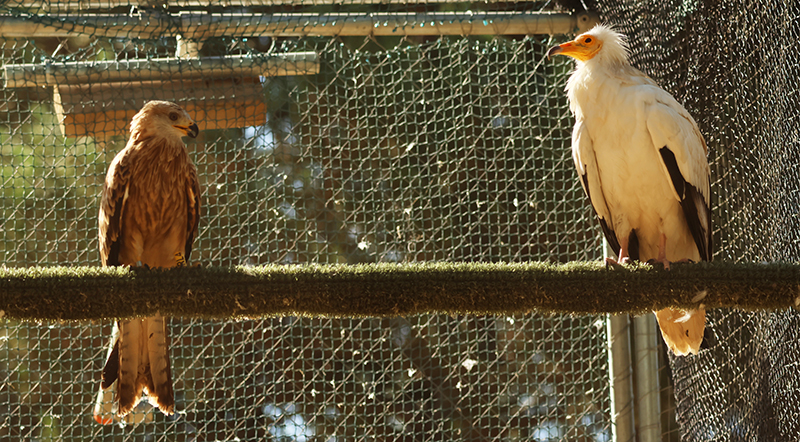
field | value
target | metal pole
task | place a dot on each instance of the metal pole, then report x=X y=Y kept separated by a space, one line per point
x=648 y=409
x=620 y=374
x=621 y=377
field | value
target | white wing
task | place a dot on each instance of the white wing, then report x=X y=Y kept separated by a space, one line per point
x=676 y=137
x=586 y=163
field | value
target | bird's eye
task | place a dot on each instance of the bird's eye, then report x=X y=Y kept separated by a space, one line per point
x=173 y=116
x=587 y=40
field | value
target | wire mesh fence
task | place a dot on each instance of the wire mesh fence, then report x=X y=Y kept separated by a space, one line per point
x=335 y=149
x=725 y=62
x=396 y=146
x=421 y=378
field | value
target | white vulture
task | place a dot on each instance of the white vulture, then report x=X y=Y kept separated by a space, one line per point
x=642 y=163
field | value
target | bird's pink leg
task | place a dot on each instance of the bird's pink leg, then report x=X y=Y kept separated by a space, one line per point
x=624 y=256
x=662 y=252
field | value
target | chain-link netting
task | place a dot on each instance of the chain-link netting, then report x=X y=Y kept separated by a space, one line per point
x=313 y=150
x=733 y=66
x=432 y=378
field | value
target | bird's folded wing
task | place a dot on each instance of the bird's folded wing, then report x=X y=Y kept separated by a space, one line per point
x=586 y=164
x=678 y=141
x=112 y=206
x=672 y=127
x=193 y=206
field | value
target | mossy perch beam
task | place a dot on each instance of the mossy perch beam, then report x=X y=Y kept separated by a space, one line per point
x=380 y=290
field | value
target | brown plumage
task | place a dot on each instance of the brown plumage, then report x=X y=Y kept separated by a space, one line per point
x=149 y=215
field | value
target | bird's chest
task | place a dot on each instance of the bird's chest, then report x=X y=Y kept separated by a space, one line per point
x=157 y=199
x=634 y=181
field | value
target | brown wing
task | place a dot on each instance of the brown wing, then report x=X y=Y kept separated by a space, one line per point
x=193 y=205
x=112 y=205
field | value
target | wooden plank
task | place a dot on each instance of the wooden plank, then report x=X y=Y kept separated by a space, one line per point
x=162 y=69
x=201 y=25
x=105 y=109
x=89 y=5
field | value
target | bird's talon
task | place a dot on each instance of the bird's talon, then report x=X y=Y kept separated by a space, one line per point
x=659 y=263
x=612 y=264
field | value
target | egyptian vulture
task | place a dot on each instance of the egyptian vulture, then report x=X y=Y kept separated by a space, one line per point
x=149 y=215
x=642 y=163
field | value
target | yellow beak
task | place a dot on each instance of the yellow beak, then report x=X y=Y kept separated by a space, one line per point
x=555 y=50
x=573 y=49
x=191 y=131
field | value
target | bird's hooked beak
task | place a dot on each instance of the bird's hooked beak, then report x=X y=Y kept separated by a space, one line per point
x=191 y=131
x=555 y=50
x=577 y=49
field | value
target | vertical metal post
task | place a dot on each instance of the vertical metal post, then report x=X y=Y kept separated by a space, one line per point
x=621 y=378
x=648 y=409
x=620 y=374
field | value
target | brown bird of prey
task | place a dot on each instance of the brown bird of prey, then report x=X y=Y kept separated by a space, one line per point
x=149 y=215
x=642 y=163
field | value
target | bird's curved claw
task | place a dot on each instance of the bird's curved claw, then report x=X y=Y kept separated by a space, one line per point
x=612 y=264
x=656 y=262
x=140 y=267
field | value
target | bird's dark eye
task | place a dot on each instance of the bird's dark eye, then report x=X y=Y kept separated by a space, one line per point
x=587 y=40
x=173 y=116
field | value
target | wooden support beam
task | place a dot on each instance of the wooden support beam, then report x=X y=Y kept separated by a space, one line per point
x=99 y=99
x=105 y=109
x=52 y=74
x=89 y=5
x=194 y=25
x=200 y=26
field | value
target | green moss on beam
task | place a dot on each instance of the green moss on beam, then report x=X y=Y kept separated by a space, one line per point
x=86 y=293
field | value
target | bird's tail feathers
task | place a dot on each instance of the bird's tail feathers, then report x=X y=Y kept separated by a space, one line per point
x=111 y=367
x=160 y=376
x=103 y=411
x=129 y=387
x=104 y=406
x=682 y=330
x=138 y=360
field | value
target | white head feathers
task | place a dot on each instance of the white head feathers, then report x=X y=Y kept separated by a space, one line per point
x=615 y=45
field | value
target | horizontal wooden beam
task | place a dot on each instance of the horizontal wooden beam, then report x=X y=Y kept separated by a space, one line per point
x=193 y=25
x=102 y=110
x=83 y=293
x=91 y=5
x=163 y=69
x=199 y=26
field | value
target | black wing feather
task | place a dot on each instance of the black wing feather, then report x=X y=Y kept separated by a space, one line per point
x=111 y=368
x=608 y=232
x=694 y=205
